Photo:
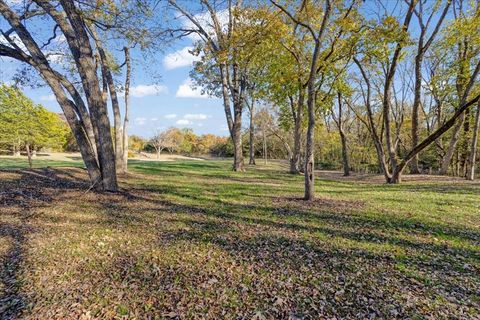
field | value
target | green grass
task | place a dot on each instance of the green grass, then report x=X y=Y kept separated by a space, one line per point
x=193 y=240
x=22 y=163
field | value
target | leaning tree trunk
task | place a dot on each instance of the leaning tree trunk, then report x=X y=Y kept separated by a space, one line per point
x=473 y=149
x=75 y=112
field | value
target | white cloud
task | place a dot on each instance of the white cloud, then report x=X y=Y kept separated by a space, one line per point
x=57 y=58
x=50 y=97
x=154 y=119
x=16 y=40
x=170 y=116
x=185 y=90
x=180 y=58
x=205 y=20
x=184 y=122
x=195 y=116
x=144 y=90
x=140 y=121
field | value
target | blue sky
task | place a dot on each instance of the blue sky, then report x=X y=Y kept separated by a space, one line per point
x=155 y=104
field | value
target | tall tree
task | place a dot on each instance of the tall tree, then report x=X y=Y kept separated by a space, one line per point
x=88 y=119
x=424 y=42
x=217 y=39
x=328 y=50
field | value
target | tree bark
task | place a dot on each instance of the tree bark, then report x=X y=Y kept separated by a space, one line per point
x=37 y=60
x=29 y=155
x=416 y=104
x=421 y=49
x=297 y=131
x=343 y=138
x=252 y=134
x=473 y=149
x=83 y=55
x=447 y=159
x=117 y=118
x=127 y=111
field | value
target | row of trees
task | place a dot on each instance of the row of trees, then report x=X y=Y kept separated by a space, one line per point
x=342 y=63
x=316 y=59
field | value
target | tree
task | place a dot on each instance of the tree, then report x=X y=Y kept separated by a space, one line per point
x=329 y=49
x=24 y=124
x=473 y=148
x=170 y=139
x=423 y=44
x=87 y=118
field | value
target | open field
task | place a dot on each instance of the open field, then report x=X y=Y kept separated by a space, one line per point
x=60 y=159
x=193 y=240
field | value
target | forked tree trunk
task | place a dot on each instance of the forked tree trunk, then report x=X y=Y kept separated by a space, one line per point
x=473 y=149
x=101 y=168
x=416 y=104
x=109 y=86
x=382 y=161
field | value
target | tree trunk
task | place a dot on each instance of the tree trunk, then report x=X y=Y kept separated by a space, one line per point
x=345 y=160
x=252 y=134
x=29 y=156
x=297 y=132
x=447 y=159
x=237 y=147
x=435 y=135
x=343 y=138
x=382 y=161
x=473 y=149
x=127 y=111
x=117 y=118
x=264 y=145
x=75 y=112
x=416 y=105
x=309 y=156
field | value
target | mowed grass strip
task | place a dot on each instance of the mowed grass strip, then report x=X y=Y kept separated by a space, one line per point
x=193 y=240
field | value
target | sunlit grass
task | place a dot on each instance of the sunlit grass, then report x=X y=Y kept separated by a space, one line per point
x=193 y=239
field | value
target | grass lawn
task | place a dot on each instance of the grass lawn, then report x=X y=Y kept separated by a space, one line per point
x=193 y=240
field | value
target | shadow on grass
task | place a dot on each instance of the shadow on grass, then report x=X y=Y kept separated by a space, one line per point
x=322 y=247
